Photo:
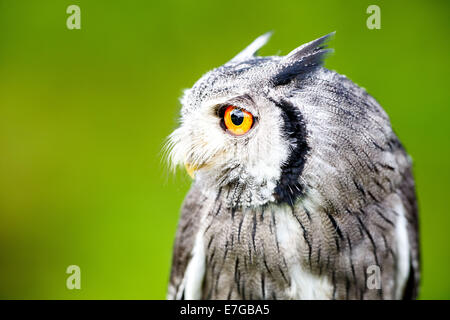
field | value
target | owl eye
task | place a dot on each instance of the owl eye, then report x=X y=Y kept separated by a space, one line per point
x=237 y=121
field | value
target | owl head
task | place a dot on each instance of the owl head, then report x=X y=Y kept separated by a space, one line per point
x=249 y=128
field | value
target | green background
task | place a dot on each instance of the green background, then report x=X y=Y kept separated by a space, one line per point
x=84 y=115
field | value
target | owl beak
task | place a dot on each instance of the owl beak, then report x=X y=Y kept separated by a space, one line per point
x=190 y=169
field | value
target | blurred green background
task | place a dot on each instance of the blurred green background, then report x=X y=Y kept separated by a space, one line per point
x=84 y=114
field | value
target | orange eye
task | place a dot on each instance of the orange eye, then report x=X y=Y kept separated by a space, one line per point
x=237 y=121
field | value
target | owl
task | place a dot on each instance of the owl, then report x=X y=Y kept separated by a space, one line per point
x=301 y=189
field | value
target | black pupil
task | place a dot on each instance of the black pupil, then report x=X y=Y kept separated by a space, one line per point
x=237 y=117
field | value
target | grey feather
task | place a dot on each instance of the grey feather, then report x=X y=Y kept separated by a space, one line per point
x=252 y=48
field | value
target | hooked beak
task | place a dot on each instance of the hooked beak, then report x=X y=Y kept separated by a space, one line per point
x=190 y=169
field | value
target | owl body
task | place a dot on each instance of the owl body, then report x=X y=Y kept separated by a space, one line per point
x=315 y=200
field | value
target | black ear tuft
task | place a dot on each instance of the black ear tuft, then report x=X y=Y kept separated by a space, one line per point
x=309 y=48
x=302 y=59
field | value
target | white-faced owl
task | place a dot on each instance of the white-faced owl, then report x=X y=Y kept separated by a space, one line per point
x=301 y=188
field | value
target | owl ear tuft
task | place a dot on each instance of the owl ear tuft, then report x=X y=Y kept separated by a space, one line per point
x=252 y=48
x=303 y=58
x=309 y=48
